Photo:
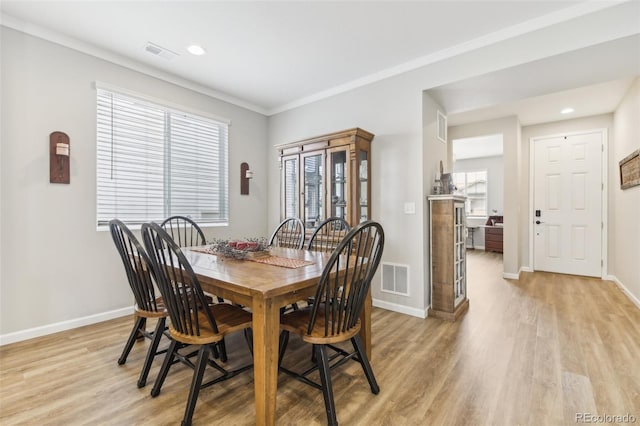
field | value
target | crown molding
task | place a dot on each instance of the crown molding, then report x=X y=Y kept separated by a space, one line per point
x=104 y=54
x=563 y=15
x=513 y=31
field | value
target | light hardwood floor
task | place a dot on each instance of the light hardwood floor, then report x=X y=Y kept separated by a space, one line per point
x=532 y=352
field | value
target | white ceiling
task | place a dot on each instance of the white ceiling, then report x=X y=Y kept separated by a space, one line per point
x=270 y=56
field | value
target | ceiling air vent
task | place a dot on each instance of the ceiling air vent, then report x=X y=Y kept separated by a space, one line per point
x=160 y=51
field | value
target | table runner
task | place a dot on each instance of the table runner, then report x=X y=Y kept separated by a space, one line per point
x=283 y=262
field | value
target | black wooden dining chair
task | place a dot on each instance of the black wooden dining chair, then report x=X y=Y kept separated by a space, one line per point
x=326 y=238
x=335 y=317
x=194 y=322
x=141 y=280
x=184 y=231
x=289 y=233
x=328 y=234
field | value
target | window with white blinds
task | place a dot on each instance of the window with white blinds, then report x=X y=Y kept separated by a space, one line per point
x=154 y=162
x=474 y=186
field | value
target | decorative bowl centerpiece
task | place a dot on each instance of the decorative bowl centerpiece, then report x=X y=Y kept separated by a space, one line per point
x=240 y=249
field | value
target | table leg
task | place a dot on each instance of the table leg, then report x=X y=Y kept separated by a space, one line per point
x=266 y=329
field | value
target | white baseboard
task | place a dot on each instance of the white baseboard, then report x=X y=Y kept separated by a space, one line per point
x=511 y=276
x=525 y=269
x=624 y=289
x=44 y=330
x=414 y=312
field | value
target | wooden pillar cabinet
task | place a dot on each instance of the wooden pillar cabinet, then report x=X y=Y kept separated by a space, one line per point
x=448 y=257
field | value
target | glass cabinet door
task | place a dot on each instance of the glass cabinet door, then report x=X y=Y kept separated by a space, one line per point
x=363 y=179
x=459 y=255
x=313 y=189
x=290 y=188
x=338 y=183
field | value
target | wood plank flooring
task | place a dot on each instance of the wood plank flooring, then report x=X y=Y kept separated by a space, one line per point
x=531 y=352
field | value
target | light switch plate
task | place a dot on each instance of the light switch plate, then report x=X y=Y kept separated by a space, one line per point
x=409 y=208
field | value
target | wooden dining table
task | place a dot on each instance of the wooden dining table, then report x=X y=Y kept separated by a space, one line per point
x=265 y=288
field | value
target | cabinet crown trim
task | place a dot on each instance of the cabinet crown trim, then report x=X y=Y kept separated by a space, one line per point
x=335 y=135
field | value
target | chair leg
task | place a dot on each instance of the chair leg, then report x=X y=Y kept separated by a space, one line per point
x=214 y=352
x=140 y=322
x=168 y=360
x=248 y=336
x=364 y=361
x=151 y=353
x=282 y=346
x=314 y=360
x=196 y=382
x=222 y=348
x=327 y=388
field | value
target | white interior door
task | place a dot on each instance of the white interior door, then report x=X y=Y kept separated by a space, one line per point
x=568 y=204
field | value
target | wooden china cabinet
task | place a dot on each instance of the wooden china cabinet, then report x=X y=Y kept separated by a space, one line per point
x=326 y=176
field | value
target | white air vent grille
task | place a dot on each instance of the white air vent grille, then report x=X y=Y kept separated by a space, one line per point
x=395 y=278
x=160 y=51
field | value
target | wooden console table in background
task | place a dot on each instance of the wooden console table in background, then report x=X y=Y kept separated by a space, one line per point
x=493 y=234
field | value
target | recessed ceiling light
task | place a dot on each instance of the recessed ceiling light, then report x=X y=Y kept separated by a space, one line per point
x=567 y=111
x=194 y=49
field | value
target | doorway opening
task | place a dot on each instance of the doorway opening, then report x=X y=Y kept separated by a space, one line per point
x=478 y=173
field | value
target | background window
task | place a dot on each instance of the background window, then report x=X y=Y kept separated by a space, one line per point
x=154 y=162
x=474 y=186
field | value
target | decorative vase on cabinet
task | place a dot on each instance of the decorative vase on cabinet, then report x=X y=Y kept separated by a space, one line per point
x=448 y=257
x=327 y=176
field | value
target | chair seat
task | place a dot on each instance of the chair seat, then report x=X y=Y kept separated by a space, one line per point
x=229 y=318
x=160 y=313
x=298 y=322
x=162 y=309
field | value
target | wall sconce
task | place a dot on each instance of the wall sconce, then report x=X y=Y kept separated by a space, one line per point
x=245 y=175
x=59 y=149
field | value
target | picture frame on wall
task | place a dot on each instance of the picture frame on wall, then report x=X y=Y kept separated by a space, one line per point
x=442 y=127
x=630 y=170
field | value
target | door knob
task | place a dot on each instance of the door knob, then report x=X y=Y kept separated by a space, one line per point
x=538 y=222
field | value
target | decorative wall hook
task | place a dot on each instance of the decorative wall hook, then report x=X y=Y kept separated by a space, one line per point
x=59 y=157
x=245 y=175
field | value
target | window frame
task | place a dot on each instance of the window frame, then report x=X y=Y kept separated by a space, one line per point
x=467 y=203
x=174 y=109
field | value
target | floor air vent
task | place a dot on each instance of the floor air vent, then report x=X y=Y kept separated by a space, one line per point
x=395 y=278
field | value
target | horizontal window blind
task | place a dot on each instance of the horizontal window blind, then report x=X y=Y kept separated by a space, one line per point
x=154 y=162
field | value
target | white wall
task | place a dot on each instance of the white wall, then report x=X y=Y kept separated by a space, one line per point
x=391 y=110
x=624 y=206
x=434 y=151
x=403 y=163
x=55 y=266
x=50 y=249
